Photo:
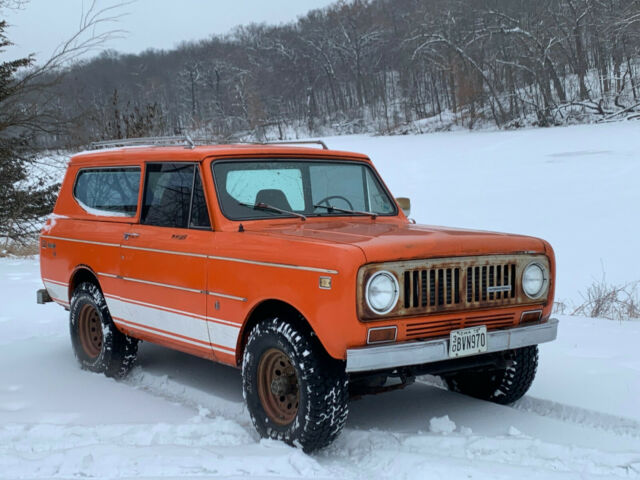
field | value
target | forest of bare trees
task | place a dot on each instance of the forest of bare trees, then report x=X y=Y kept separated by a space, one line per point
x=372 y=65
x=380 y=66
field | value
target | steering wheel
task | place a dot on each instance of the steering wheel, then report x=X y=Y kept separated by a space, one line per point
x=331 y=197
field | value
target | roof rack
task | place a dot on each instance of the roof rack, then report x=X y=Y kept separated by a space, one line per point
x=188 y=142
x=293 y=142
x=185 y=140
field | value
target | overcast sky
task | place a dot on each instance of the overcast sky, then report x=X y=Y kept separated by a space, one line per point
x=41 y=25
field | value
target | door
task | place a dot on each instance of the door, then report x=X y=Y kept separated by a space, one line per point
x=164 y=262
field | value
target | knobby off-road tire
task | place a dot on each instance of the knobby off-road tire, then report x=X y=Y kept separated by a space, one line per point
x=97 y=344
x=293 y=390
x=503 y=386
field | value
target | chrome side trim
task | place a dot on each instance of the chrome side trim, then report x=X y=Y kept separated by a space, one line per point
x=269 y=264
x=75 y=240
x=148 y=282
x=170 y=252
x=175 y=287
x=109 y=275
x=166 y=285
x=199 y=255
x=224 y=295
x=366 y=359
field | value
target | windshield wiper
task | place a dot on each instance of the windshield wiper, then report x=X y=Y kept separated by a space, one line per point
x=266 y=206
x=331 y=208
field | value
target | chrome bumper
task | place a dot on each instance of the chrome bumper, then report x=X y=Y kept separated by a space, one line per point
x=366 y=359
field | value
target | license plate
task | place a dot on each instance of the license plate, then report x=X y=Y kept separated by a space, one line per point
x=467 y=341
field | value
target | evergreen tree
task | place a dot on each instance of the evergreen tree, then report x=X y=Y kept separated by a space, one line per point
x=23 y=201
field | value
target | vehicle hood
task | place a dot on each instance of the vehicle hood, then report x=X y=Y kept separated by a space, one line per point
x=392 y=241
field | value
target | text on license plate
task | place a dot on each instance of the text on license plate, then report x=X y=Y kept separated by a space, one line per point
x=468 y=341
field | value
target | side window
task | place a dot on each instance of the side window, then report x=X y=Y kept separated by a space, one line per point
x=109 y=192
x=174 y=196
x=199 y=212
x=167 y=194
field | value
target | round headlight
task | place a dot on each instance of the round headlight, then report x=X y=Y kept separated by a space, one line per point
x=534 y=279
x=382 y=292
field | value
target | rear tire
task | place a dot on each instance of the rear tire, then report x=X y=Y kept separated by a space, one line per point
x=503 y=385
x=97 y=344
x=293 y=390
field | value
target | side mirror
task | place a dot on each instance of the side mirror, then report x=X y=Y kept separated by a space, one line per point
x=405 y=205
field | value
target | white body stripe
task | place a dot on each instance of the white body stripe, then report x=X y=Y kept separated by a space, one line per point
x=224 y=335
x=175 y=324
x=57 y=290
x=166 y=335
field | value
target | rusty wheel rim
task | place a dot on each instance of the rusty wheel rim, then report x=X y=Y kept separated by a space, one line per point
x=278 y=387
x=90 y=331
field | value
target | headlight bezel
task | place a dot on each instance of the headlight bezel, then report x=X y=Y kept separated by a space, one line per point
x=410 y=275
x=545 y=280
x=396 y=286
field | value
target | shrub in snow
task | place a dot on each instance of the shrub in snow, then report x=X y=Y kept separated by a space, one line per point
x=614 y=302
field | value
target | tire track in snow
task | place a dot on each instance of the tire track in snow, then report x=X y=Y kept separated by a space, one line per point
x=621 y=426
x=378 y=451
x=367 y=451
x=207 y=404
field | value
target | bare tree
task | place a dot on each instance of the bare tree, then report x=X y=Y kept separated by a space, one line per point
x=30 y=114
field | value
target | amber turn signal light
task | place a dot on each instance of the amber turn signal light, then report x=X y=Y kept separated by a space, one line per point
x=530 y=316
x=382 y=334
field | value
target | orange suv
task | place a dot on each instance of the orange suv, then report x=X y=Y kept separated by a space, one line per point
x=294 y=264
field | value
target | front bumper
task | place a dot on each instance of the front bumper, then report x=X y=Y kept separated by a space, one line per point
x=365 y=359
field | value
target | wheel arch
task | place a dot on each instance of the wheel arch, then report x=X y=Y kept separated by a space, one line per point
x=271 y=307
x=80 y=274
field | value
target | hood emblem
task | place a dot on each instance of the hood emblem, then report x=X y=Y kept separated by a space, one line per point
x=499 y=288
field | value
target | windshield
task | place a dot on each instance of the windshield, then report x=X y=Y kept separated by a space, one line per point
x=256 y=189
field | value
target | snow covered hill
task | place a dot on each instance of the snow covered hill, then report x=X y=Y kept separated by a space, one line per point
x=178 y=416
x=577 y=187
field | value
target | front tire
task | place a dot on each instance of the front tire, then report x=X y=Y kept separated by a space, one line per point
x=502 y=385
x=97 y=344
x=293 y=390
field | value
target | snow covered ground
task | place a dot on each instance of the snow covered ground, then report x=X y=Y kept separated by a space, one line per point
x=577 y=187
x=178 y=416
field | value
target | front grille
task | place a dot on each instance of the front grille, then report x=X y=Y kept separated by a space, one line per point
x=480 y=281
x=456 y=284
x=441 y=287
x=431 y=287
x=437 y=328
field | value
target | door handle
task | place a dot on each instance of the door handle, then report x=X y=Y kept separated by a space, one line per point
x=127 y=236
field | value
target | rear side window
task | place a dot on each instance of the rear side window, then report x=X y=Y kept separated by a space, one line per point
x=109 y=192
x=174 y=197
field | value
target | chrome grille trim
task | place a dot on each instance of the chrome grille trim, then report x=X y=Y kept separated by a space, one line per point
x=442 y=285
